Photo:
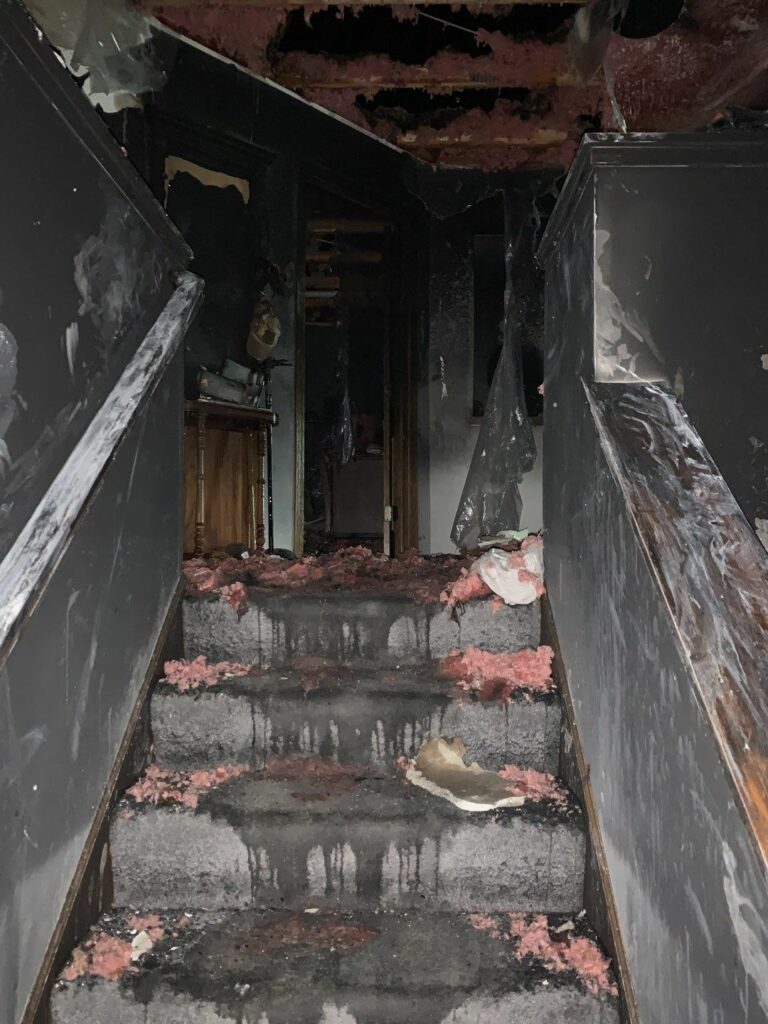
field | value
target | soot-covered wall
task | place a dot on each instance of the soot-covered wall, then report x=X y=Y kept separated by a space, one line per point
x=688 y=881
x=681 y=242
x=86 y=265
x=222 y=118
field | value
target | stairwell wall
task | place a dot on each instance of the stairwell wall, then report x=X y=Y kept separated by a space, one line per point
x=87 y=262
x=689 y=886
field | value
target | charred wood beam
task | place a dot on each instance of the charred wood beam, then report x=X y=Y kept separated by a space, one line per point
x=542 y=138
x=282 y=4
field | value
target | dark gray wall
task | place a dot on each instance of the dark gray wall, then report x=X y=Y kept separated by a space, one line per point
x=690 y=890
x=84 y=249
x=85 y=268
x=71 y=683
x=683 y=244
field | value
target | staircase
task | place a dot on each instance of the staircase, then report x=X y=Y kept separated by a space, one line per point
x=275 y=866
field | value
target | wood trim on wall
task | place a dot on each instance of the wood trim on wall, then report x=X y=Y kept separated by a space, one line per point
x=599 y=900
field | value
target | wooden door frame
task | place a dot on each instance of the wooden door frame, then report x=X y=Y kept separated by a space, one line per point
x=400 y=379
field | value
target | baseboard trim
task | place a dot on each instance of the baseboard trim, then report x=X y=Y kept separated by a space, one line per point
x=91 y=886
x=607 y=912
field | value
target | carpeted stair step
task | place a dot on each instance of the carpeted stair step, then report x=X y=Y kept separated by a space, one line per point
x=274 y=628
x=299 y=968
x=315 y=833
x=352 y=716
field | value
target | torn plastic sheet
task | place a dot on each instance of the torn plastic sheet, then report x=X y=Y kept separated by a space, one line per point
x=109 y=40
x=505 y=449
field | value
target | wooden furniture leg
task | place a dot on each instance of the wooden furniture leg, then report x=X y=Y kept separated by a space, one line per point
x=200 y=495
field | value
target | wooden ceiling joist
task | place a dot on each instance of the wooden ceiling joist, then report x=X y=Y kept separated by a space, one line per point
x=347 y=226
x=345 y=257
x=544 y=137
x=282 y=4
x=422 y=79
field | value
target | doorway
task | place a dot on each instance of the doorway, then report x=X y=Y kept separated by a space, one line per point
x=347 y=300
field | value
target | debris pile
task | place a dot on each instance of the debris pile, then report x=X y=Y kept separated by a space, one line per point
x=559 y=949
x=114 y=949
x=196 y=674
x=500 y=676
x=423 y=579
x=162 y=786
x=516 y=576
x=440 y=769
x=535 y=785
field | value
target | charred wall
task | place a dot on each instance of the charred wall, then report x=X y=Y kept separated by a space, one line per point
x=87 y=261
x=688 y=881
x=222 y=117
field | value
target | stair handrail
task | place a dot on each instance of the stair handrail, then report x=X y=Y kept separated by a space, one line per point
x=710 y=567
x=29 y=564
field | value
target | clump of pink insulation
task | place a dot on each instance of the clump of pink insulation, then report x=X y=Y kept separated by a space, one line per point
x=100 y=955
x=534 y=785
x=423 y=579
x=162 y=786
x=499 y=676
x=196 y=674
x=559 y=950
x=468 y=587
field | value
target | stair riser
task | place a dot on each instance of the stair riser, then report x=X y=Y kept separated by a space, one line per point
x=277 y=629
x=354 y=728
x=191 y=861
x=108 y=1002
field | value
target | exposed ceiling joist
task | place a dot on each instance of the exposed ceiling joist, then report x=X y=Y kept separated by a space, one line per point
x=542 y=137
x=421 y=79
x=283 y=4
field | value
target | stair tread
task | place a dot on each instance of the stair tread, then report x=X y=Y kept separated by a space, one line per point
x=318 y=968
x=314 y=788
x=316 y=682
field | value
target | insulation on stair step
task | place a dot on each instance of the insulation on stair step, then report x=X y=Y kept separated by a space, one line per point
x=560 y=949
x=500 y=676
x=196 y=674
x=423 y=579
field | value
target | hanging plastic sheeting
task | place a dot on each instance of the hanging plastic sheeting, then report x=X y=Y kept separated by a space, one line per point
x=345 y=435
x=505 y=449
x=591 y=33
x=106 y=42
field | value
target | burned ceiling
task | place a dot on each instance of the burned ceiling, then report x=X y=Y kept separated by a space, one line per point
x=499 y=86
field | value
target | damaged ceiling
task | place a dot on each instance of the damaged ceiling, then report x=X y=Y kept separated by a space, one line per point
x=498 y=85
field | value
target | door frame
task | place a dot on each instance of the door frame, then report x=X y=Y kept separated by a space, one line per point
x=400 y=477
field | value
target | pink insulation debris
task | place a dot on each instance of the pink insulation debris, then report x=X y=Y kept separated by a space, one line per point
x=559 y=951
x=235 y=595
x=535 y=785
x=564 y=952
x=162 y=786
x=149 y=923
x=468 y=587
x=353 y=568
x=196 y=674
x=499 y=676
x=100 y=955
x=233 y=29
